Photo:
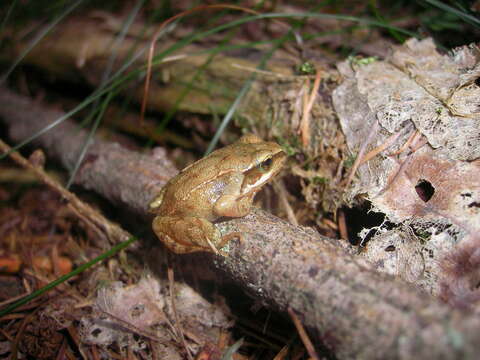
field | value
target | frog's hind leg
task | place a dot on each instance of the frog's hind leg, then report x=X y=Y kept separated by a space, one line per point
x=187 y=234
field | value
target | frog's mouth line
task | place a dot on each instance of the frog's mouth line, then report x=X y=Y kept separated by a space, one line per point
x=260 y=174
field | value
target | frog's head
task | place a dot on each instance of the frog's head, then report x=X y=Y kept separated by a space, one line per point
x=265 y=161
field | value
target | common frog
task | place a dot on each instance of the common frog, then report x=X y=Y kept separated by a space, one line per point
x=221 y=184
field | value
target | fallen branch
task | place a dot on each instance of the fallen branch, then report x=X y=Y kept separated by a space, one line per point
x=108 y=168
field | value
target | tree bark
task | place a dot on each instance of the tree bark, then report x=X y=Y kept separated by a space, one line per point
x=356 y=311
x=107 y=168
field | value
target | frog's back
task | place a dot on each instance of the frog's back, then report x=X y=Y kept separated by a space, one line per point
x=197 y=187
x=187 y=190
x=218 y=163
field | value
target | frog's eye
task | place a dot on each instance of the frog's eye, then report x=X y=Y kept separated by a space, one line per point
x=265 y=164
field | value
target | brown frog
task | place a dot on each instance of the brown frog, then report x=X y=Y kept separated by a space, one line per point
x=221 y=184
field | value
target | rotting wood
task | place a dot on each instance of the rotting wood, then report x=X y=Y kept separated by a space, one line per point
x=195 y=78
x=356 y=311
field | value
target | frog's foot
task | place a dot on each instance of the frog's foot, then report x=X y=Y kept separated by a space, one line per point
x=212 y=247
x=188 y=234
x=227 y=238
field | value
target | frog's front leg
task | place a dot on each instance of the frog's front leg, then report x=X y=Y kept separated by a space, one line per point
x=229 y=206
x=188 y=234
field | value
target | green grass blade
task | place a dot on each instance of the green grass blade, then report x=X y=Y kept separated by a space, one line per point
x=64 y=278
x=467 y=17
x=89 y=139
x=118 y=79
x=105 y=76
x=37 y=38
x=7 y=15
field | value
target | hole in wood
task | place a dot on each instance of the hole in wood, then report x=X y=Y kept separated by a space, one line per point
x=424 y=189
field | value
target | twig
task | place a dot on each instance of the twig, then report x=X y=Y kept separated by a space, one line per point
x=415 y=144
x=96 y=220
x=13 y=299
x=151 y=50
x=23 y=325
x=282 y=192
x=342 y=225
x=271 y=73
x=303 y=335
x=305 y=122
x=358 y=160
x=410 y=139
x=175 y=314
x=387 y=143
x=134 y=329
x=419 y=142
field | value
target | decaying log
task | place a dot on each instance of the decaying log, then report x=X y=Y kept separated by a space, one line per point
x=356 y=311
x=191 y=79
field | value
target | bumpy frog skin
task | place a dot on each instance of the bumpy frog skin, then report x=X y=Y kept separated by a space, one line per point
x=221 y=184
